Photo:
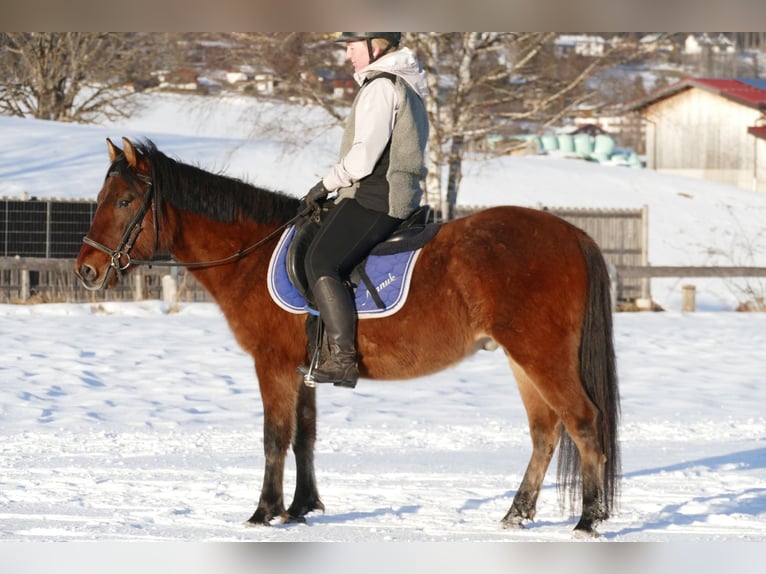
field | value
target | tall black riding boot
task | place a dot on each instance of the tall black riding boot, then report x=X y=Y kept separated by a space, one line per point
x=338 y=313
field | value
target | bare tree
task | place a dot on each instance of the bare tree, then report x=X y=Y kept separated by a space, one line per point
x=309 y=67
x=483 y=82
x=71 y=76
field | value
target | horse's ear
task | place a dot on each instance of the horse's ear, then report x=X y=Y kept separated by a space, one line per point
x=114 y=151
x=136 y=161
x=130 y=153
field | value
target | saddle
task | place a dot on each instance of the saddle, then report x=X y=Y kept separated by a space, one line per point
x=409 y=237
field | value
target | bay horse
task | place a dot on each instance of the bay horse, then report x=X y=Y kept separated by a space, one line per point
x=520 y=279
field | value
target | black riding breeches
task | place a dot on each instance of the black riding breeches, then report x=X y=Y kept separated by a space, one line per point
x=346 y=237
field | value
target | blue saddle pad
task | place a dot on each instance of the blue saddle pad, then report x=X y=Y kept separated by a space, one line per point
x=390 y=274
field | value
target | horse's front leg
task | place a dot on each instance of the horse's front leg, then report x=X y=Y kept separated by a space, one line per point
x=276 y=438
x=306 y=496
x=279 y=399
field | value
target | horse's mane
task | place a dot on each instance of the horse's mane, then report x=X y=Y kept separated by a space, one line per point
x=217 y=196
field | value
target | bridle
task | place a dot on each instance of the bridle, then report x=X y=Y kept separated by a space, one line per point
x=129 y=236
x=134 y=228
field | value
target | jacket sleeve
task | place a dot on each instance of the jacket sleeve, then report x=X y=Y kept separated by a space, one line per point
x=373 y=125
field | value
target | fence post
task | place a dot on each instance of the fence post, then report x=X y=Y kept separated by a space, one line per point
x=614 y=284
x=646 y=291
x=169 y=290
x=24 y=288
x=688 y=299
x=138 y=286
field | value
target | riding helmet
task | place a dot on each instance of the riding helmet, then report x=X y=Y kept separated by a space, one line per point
x=393 y=37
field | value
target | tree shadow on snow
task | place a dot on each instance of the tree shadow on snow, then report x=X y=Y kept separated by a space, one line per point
x=699 y=510
x=743 y=460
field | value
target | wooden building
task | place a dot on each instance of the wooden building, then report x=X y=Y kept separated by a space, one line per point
x=708 y=128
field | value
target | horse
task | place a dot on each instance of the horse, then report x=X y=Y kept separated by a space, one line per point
x=511 y=277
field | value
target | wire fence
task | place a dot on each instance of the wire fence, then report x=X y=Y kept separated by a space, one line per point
x=52 y=229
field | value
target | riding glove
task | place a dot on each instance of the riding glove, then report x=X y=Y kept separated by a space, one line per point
x=319 y=191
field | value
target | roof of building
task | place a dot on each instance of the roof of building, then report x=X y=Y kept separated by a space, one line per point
x=749 y=92
x=758 y=131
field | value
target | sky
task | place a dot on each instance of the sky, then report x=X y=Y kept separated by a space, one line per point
x=134 y=422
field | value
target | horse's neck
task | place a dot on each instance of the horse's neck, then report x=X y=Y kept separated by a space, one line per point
x=198 y=240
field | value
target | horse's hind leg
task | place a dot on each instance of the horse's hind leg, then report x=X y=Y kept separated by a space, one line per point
x=592 y=463
x=581 y=456
x=306 y=496
x=545 y=429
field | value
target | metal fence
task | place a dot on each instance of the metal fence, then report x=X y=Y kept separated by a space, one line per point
x=35 y=231
x=52 y=229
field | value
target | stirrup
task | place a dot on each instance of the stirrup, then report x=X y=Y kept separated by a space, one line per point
x=308 y=370
x=310 y=380
x=343 y=378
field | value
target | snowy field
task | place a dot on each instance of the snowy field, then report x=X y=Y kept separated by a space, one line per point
x=129 y=423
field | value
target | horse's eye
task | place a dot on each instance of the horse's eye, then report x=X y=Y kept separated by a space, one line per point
x=124 y=202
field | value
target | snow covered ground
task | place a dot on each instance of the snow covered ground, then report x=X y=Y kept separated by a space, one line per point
x=126 y=422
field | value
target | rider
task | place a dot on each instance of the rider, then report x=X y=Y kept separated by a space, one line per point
x=377 y=181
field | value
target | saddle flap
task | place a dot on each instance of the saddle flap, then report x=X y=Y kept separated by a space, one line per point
x=305 y=230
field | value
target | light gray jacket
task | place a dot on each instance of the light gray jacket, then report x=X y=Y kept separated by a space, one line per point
x=384 y=112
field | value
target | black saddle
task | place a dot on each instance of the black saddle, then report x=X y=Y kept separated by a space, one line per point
x=413 y=233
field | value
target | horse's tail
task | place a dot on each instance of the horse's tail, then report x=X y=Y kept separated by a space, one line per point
x=598 y=374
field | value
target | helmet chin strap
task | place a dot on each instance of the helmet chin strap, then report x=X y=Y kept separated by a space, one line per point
x=383 y=52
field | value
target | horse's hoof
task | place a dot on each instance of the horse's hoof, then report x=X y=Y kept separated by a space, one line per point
x=512 y=524
x=259 y=518
x=585 y=533
x=294 y=520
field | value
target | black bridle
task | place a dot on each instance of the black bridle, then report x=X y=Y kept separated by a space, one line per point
x=129 y=236
x=134 y=228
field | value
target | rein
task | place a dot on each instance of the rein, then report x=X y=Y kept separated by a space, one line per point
x=134 y=228
x=234 y=257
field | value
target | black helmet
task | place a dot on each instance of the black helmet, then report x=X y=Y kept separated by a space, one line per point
x=393 y=37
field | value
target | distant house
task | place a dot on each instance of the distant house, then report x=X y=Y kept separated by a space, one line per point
x=258 y=79
x=708 y=128
x=183 y=79
x=341 y=84
x=696 y=44
x=580 y=44
x=657 y=43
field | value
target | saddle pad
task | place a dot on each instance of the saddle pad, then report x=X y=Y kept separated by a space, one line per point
x=391 y=275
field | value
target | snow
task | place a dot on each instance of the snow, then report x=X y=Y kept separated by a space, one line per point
x=134 y=422
x=108 y=439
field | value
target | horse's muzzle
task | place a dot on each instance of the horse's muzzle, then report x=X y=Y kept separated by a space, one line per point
x=92 y=280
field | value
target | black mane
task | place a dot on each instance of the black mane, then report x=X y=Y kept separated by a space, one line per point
x=217 y=196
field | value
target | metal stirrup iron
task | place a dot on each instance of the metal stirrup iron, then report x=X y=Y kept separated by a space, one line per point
x=308 y=378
